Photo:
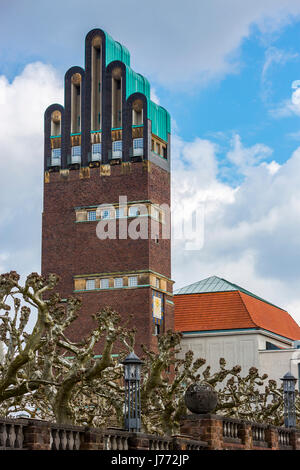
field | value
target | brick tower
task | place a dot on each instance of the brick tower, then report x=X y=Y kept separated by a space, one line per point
x=107 y=193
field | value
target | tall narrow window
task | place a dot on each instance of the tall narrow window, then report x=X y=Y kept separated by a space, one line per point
x=96 y=93
x=137 y=113
x=116 y=98
x=119 y=212
x=96 y=152
x=55 y=123
x=156 y=329
x=75 y=103
x=104 y=283
x=138 y=147
x=55 y=138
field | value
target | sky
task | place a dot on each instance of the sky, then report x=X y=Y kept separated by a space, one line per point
x=229 y=74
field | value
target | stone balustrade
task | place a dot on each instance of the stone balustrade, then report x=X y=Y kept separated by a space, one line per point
x=65 y=437
x=11 y=434
x=222 y=433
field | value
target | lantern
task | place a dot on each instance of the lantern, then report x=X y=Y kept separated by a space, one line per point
x=132 y=374
x=289 y=382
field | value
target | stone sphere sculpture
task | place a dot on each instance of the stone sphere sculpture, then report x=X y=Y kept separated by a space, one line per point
x=201 y=398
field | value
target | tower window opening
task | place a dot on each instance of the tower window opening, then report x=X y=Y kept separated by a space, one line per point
x=156 y=329
x=75 y=103
x=118 y=282
x=138 y=147
x=91 y=215
x=116 y=98
x=117 y=147
x=104 y=283
x=134 y=211
x=119 y=212
x=155 y=213
x=56 y=123
x=56 y=157
x=90 y=284
x=165 y=155
x=96 y=152
x=96 y=75
x=76 y=154
x=105 y=214
x=137 y=112
x=132 y=281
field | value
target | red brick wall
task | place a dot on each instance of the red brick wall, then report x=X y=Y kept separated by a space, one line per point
x=70 y=248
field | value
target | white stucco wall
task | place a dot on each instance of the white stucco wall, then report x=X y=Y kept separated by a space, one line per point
x=238 y=347
x=278 y=363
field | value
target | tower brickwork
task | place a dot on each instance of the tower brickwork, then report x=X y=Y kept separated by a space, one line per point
x=107 y=193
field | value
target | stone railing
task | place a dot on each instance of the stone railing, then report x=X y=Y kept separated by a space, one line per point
x=284 y=438
x=160 y=443
x=222 y=433
x=198 y=432
x=11 y=434
x=115 y=439
x=231 y=430
x=258 y=432
x=34 y=434
x=65 y=437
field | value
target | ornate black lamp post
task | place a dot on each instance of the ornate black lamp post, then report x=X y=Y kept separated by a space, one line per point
x=132 y=369
x=289 y=382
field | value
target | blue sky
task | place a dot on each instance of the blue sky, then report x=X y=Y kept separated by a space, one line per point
x=227 y=72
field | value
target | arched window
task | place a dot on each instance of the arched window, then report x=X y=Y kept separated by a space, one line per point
x=96 y=92
x=75 y=103
x=138 y=120
x=56 y=123
x=137 y=112
x=55 y=139
x=116 y=97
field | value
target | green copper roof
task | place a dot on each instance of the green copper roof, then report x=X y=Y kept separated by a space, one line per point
x=135 y=82
x=115 y=51
x=215 y=284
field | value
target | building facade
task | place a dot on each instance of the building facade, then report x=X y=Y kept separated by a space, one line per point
x=106 y=214
x=220 y=319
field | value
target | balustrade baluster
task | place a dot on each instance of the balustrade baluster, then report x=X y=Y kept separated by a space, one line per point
x=3 y=435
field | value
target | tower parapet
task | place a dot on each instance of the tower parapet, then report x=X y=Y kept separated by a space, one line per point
x=108 y=113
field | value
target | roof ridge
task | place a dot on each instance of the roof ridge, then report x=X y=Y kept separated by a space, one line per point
x=246 y=308
x=247 y=292
x=235 y=287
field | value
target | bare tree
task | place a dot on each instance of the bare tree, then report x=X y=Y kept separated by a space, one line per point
x=44 y=366
x=51 y=377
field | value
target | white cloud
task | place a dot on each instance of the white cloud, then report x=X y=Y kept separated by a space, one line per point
x=178 y=42
x=276 y=56
x=21 y=164
x=290 y=106
x=273 y=56
x=250 y=231
x=246 y=157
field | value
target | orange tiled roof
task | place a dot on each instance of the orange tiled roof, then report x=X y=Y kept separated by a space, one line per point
x=231 y=310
